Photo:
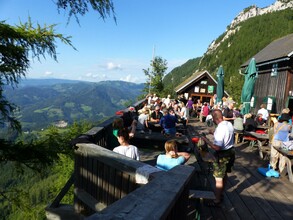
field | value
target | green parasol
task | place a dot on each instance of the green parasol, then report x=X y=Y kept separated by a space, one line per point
x=220 y=86
x=248 y=86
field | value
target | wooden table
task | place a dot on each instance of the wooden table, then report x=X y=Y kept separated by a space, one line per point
x=263 y=127
x=288 y=154
x=262 y=142
x=156 y=139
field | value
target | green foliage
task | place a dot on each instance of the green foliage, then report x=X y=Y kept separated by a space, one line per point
x=16 y=43
x=155 y=76
x=103 y=7
x=44 y=105
x=254 y=34
x=178 y=75
x=32 y=177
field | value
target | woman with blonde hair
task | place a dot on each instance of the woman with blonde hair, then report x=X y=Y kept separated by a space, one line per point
x=172 y=157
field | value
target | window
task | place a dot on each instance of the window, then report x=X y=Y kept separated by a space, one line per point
x=202 y=90
x=253 y=101
x=270 y=101
x=196 y=89
x=274 y=70
x=204 y=82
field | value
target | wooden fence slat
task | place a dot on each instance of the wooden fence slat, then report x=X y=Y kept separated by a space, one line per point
x=165 y=190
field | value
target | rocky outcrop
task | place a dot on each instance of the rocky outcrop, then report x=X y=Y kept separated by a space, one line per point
x=246 y=14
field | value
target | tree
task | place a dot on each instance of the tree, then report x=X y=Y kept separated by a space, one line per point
x=17 y=43
x=155 y=75
x=15 y=46
x=80 y=7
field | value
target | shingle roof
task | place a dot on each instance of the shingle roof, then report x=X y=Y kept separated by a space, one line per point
x=279 y=49
x=191 y=79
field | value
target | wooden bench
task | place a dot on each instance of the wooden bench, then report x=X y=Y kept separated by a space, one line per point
x=156 y=139
x=201 y=194
x=252 y=140
x=236 y=135
x=288 y=156
x=262 y=141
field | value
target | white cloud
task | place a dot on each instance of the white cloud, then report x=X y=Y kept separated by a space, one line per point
x=48 y=73
x=129 y=78
x=112 y=66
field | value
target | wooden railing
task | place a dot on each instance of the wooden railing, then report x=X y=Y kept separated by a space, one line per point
x=108 y=185
x=105 y=176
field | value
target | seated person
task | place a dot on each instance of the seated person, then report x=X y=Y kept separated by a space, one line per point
x=259 y=120
x=172 y=158
x=125 y=148
x=130 y=120
x=209 y=120
x=238 y=123
x=155 y=119
x=156 y=115
x=264 y=112
x=143 y=118
x=249 y=124
x=168 y=123
x=117 y=125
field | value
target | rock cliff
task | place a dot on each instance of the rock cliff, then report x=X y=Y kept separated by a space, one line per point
x=248 y=13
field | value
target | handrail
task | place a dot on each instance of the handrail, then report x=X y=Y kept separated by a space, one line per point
x=105 y=181
x=63 y=192
x=166 y=197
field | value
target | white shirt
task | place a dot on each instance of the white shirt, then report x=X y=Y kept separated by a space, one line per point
x=264 y=112
x=183 y=112
x=129 y=151
x=224 y=135
x=141 y=121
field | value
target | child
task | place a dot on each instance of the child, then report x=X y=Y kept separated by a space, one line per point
x=125 y=148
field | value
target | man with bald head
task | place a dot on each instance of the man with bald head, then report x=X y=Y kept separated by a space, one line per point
x=224 y=152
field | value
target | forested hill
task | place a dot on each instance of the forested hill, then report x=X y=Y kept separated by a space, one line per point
x=43 y=102
x=246 y=39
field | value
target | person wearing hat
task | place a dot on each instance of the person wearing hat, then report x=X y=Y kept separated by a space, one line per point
x=281 y=134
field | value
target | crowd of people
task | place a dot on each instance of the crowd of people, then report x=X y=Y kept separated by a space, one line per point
x=162 y=115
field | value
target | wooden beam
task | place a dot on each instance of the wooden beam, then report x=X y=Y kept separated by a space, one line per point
x=89 y=200
x=154 y=200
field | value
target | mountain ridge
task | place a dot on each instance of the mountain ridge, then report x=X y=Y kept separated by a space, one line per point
x=44 y=102
x=246 y=14
x=249 y=38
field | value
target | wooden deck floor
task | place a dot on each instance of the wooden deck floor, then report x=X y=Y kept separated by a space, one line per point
x=249 y=195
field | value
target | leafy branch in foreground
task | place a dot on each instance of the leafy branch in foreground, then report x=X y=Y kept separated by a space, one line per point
x=16 y=44
x=103 y=7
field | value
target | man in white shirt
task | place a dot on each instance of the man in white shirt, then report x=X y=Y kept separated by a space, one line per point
x=264 y=112
x=224 y=152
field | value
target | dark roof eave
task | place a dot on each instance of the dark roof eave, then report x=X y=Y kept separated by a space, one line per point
x=267 y=62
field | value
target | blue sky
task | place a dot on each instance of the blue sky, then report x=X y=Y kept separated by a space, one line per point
x=178 y=30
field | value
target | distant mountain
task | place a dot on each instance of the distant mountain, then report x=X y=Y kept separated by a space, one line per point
x=38 y=82
x=252 y=30
x=42 y=102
